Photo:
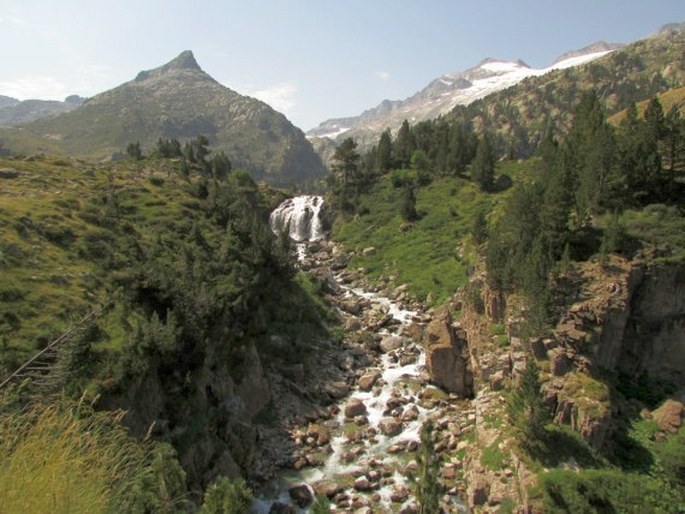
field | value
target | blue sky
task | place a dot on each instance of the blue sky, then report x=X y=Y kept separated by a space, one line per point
x=312 y=60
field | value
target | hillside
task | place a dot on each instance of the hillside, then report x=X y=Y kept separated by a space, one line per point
x=519 y=114
x=441 y=95
x=177 y=100
x=184 y=284
x=14 y=112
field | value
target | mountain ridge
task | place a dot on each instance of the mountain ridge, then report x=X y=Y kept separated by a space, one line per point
x=444 y=93
x=176 y=100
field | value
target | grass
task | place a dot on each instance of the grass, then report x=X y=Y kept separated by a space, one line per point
x=65 y=458
x=433 y=254
x=58 y=240
x=492 y=457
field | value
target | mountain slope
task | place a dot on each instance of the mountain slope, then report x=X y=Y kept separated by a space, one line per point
x=16 y=112
x=177 y=100
x=446 y=92
x=637 y=72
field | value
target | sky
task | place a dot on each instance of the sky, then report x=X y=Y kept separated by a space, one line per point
x=310 y=59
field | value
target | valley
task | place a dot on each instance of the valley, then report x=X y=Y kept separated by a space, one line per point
x=469 y=301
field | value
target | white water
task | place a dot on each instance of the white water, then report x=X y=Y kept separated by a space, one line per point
x=301 y=216
x=301 y=213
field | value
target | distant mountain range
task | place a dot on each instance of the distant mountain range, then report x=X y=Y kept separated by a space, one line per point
x=17 y=112
x=177 y=100
x=444 y=93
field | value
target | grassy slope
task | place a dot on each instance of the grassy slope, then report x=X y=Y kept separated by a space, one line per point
x=432 y=254
x=53 y=222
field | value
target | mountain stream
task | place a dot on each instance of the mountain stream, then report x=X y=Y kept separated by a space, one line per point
x=373 y=440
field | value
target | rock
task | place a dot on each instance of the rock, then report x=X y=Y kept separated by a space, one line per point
x=559 y=362
x=669 y=416
x=327 y=488
x=301 y=494
x=390 y=343
x=368 y=379
x=390 y=426
x=353 y=325
x=367 y=252
x=282 y=508
x=351 y=305
x=362 y=484
x=478 y=491
x=9 y=173
x=399 y=494
x=445 y=355
x=354 y=407
x=337 y=389
x=411 y=413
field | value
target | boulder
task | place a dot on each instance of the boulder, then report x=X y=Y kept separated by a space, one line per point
x=390 y=343
x=354 y=407
x=390 y=426
x=669 y=416
x=337 y=389
x=362 y=483
x=327 y=488
x=282 y=508
x=301 y=494
x=368 y=379
x=446 y=358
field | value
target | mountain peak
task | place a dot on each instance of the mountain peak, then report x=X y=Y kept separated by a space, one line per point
x=184 y=61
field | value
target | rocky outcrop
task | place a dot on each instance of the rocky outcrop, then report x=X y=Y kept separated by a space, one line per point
x=447 y=355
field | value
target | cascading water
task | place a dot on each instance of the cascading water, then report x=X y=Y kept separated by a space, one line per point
x=301 y=215
x=395 y=395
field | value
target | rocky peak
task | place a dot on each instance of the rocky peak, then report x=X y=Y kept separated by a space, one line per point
x=594 y=48
x=184 y=61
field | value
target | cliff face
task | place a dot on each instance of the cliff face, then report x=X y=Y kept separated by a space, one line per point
x=209 y=420
x=624 y=319
x=653 y=342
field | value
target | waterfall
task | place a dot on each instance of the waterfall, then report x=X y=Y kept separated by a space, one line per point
x=302 y=214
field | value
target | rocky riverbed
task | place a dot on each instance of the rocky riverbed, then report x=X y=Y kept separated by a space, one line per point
x=360 y=450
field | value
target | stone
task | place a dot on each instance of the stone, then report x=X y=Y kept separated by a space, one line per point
x=446 y=359
x=282 y=508
x=669 y=416
x=337 y=389
x=390 y=343
x=351 y=305
x=301 y=494
x=559 y=362
x=362 y=484
x=399 y=494
x=367 y=252
x=368 y=379
x=478 y=491
x=327 y=488
x=9 y=173
x=354 y=407
x=390 y=426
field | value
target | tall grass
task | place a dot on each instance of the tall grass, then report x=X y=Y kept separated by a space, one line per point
x=66 y=458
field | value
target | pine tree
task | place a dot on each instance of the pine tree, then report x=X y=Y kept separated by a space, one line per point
x=483 y=164
x=408 y=209
x=527 y=412
x=404 y=145
x=384 y=152
x=428 y=487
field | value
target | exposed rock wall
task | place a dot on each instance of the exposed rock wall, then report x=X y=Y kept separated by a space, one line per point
x=447 y=355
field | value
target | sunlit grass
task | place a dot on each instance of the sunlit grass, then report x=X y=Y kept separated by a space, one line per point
x=65 y=458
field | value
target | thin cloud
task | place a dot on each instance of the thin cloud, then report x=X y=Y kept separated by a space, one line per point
x=383 y=75
x=280 y=96
x=35 y=87
x=16 y=20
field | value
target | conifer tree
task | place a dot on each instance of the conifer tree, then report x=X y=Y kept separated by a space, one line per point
x=483 y=164
x=404 y=145
x=384 y=152
x=428 y=486
x=527 y=412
